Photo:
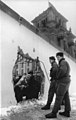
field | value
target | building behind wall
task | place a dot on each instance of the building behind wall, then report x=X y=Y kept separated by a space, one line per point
x=54 y=26
x=23 y=64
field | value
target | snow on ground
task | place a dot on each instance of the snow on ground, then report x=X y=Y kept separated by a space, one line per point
x=31 y=110
x=15 y=108
x=73 y=101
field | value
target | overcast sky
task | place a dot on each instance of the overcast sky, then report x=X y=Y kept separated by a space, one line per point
x=29 y=9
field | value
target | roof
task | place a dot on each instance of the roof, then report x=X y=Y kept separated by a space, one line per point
x=44 y=14
x=20 y=52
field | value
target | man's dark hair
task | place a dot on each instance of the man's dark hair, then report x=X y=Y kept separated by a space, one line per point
x=52 y=58
x=61 y=54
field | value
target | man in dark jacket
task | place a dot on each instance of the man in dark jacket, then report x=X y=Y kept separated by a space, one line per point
x=63 y=82
x=52 y=89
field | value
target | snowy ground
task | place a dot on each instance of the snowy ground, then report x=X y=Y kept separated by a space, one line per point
x=31 y=110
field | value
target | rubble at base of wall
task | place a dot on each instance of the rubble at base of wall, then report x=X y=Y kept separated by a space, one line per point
x=31 y=110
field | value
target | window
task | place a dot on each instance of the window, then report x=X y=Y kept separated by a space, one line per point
x=22 y=71
x=58 y=39
x=64 y=24
x=51 y=16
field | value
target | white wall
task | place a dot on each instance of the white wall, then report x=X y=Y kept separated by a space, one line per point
x=12 y=36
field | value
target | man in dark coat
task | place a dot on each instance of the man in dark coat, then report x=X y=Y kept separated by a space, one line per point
x=63 y=82
x=52 y=89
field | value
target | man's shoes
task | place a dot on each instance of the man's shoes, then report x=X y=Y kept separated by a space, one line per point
x=51 y=115
x=46 y=107
x=66 y=114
